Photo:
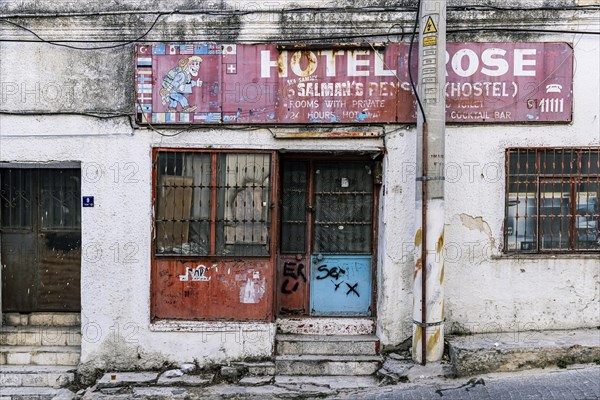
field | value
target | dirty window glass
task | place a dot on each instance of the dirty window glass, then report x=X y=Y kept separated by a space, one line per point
x=293 y=209
x=244 y=205
x=183 y=203
x=60 y=206
x=16 y=191
x=212 y=204
x=343 y=207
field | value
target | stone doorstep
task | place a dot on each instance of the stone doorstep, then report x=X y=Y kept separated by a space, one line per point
x=37 y=393
x=258 y=368
x=256 y=380
x=160 y=392
x=39 y=355
x=326 y=365
x=327 y=344
x=332 y=382
x=40 y=336
x=187 y=380
x=505 y=352
x=326 y=326
x=114 y=379
x=35 y=375
x=42 y=319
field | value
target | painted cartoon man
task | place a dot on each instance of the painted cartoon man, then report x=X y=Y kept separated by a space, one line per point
x=178 y=83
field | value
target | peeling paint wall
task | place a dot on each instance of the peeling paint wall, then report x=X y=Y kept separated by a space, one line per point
x=484 y=290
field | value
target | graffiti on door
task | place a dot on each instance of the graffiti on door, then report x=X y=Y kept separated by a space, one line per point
x=292 y=272
x=337 y=284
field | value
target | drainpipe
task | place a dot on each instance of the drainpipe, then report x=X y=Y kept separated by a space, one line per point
x=428 y=300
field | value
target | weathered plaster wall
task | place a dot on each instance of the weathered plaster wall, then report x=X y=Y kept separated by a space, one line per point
x=486 y=291
x=482 y=289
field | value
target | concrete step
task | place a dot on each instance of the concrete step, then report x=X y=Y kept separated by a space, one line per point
x=327 y=345
x=326 y=365
x=256 y=368
x=35 y=393
x=39 y=355
x=504 y=352
x=326 y=326
x=42 y=319
x=332 y=381
x=40 y=336
x=54 y=376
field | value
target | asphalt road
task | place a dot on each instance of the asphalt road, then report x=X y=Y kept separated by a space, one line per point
x=576 y=383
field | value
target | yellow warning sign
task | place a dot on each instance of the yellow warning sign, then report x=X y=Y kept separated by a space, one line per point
x=430 y=26
x=430 y=41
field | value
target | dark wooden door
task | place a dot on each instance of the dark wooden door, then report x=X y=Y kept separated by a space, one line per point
x=40 y=239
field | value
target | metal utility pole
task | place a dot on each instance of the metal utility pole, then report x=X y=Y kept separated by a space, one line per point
x=428 y=301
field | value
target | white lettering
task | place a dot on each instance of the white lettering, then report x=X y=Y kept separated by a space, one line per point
x=330 y=60
x=354 y=63
x=500 y=64
x=457 y=62
x=521 y=62
x=380 y=65
x=266 y=64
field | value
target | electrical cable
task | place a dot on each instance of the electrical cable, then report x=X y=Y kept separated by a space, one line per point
x=58 y=43
x=160 y=14
x=410 y=75
x=368 y=9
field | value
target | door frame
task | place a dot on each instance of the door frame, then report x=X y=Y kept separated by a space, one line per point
x=312 y=158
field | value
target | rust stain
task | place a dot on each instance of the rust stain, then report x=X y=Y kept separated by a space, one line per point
x=281 y=63
x=311 y=60
x=244 y=293
x=440 y=243
x=418 y=335
x=418 y=237
x=433 y=340
x=442 y=274
x=418 y=266
x=443 y=308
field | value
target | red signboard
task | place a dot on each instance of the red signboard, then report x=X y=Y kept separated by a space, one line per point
x=233 y=84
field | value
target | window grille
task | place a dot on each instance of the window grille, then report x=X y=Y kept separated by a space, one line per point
x=213 y=204
x=552 y=200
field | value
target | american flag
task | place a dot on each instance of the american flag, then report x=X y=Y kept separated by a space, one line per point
x=186 y=49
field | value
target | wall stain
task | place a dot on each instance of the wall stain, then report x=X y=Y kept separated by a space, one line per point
x=478 y=224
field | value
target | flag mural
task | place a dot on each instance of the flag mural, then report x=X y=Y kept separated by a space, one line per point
x=210 y=83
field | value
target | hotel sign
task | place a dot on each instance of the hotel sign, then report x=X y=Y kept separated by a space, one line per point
x=209 y=83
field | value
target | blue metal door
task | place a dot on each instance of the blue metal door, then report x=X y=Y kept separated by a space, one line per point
x=341 y=258
x=340 y=285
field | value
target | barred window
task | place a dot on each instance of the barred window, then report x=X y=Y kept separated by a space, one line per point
x=212 y=204
x=552 y=200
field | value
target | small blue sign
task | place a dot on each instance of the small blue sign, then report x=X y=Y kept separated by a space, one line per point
x=88 y=201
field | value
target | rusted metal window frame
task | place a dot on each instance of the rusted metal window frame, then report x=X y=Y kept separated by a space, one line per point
x=214 y=153
x=572 y=179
